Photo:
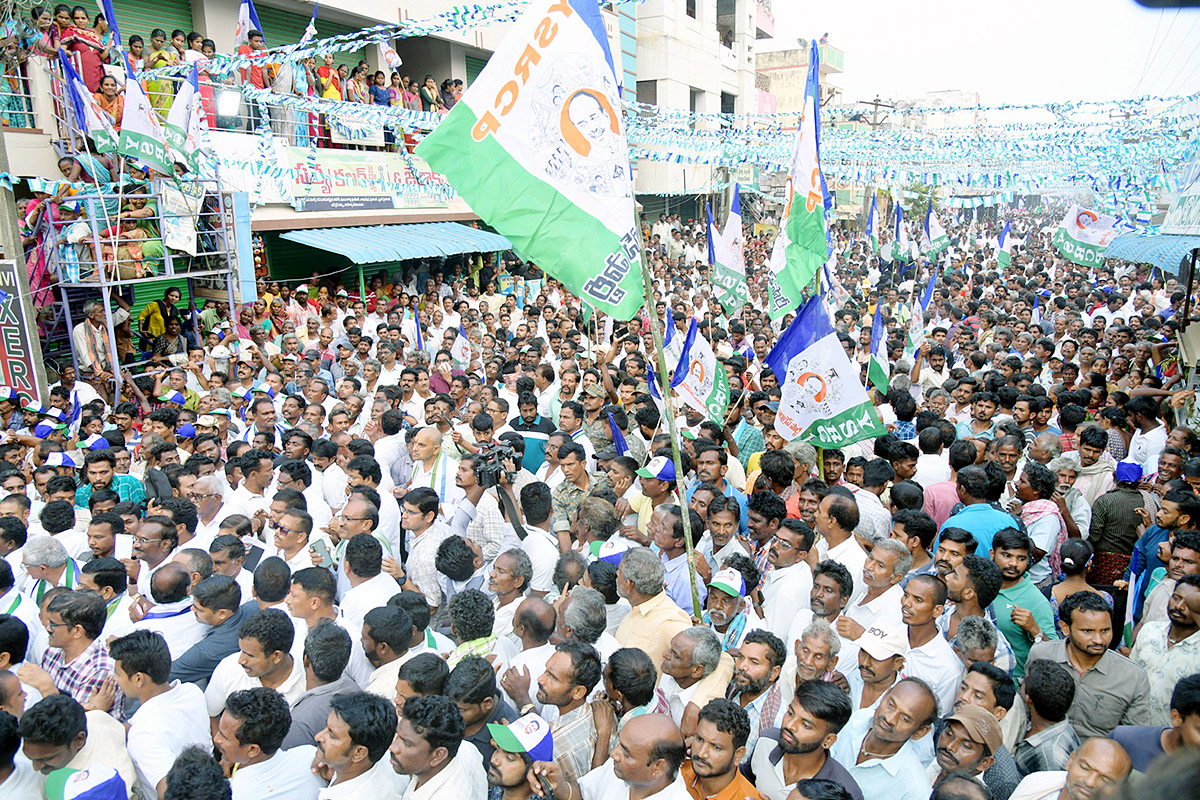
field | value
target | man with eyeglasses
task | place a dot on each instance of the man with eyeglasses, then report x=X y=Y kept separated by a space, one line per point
x=786 y=588
x=290 y=535
x=153 y=546
x=209 y=498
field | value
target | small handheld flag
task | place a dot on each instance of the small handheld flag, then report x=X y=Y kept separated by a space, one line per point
x=618 y=438
x=248 y=21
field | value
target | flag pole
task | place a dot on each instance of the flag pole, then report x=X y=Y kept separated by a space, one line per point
x=665 y=386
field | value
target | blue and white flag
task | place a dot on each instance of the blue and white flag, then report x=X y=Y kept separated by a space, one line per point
x=460 y=351
x=1004 y=249
x=916 y=324
x=879 y=368
x=89 y=117
x=247 y=21
x=934 y=238
x=185 y=121
x=824 y=402
x=672 y=344
x=700 y=378
x=900 y=243
x=655 y=389
x=725 y=254
x=310 y=30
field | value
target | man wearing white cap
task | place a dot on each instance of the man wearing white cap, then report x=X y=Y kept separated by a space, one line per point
x=518 y=745
x=881 y=651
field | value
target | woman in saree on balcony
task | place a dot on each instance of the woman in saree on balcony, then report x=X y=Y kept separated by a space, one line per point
x=82 y=41
x=162 y=54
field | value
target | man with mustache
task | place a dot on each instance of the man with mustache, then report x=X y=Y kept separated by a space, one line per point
x=1097 y=765
x=879 y=747
x=799 y=748
x=881 y=653
x=756 y=679
x=715 y=750
x=968 y=740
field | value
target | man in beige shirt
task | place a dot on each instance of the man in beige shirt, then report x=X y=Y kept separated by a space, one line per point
x=654 y=618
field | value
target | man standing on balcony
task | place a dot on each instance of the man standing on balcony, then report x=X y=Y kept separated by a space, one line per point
x=257 y=75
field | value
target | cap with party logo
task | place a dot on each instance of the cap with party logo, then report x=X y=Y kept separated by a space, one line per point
x=46 y=427
x=62 y=460
x=262 y=388
x=301 y=289
x=529 y=734
x=186 y=431
x=729 y=581
x=611 y=551
x=10 y=394
x=94 y=442
x=980 y=725
x=93 y=783
x=660 y=467
x=883 y=641
x=242 y=392
x=342 y=293
x=56 y=414
x=34 y=406
x=176 y=398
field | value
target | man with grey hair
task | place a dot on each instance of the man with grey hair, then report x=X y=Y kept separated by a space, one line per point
x=653 y=619
x=885 y=568
x=693 y=671
x=90 y=342
x=976 y=640
x=582 y=617
x=1045 y=448
x=508 y=583
x=47 y=565
x=1078 y=511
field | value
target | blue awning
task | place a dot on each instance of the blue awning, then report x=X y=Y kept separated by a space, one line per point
x=1163 y=250
x=378 y=243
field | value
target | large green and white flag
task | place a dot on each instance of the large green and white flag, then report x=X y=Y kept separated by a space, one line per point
x=1004 y=251
x=727 y=258
x=700 y=378
x=142 y=135
x=900 y=246
x=879 y=368
x=1084 y=235
x=184 y=129
x=824 y=402
x=536 y=146
x=934 y=238
x=801 y=246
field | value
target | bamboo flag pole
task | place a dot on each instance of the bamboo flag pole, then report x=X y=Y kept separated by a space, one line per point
x=665 y=386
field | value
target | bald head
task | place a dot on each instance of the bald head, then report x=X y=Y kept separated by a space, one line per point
x=655 y=748
x=1096 y=765
x=535 y=619
x=170 y=583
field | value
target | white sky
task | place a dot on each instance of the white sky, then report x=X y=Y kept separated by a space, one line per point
x=1019 y=51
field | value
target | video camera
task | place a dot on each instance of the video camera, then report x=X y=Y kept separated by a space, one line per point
x=489 y=465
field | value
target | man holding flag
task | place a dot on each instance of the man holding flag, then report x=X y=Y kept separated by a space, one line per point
x=1004 y=248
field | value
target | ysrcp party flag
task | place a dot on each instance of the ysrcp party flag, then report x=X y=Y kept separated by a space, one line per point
x=933 y=238
x=823 y=401
x=1084 y=235
x=88 y=115
x=142 y=134
x=460 y=351
x=878 y=368
x=537 y=148
x=727 y=258
x=1004 y=254
x=801 y=246
x=184 y=127
x=700 y=378
x=872 y=233
x=900 y=242
x=247 y=21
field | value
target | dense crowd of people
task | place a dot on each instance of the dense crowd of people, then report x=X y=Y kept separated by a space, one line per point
x=430 y=538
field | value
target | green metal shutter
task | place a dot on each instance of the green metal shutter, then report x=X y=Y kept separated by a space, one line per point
x=474 y=67
x=283 y=28
x=145 y=295
x=143 y=16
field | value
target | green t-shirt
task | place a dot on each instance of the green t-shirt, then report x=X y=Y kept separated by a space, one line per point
x=1025 y=595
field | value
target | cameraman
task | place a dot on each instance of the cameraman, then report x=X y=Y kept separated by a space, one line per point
x=478 y=516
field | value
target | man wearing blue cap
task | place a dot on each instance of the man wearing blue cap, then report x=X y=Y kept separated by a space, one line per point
x=518 y=745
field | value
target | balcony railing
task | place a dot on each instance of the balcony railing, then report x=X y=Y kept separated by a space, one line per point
x=16 y=99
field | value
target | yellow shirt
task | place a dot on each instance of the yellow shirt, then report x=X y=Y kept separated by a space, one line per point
x=641 y=505
x=651 y=626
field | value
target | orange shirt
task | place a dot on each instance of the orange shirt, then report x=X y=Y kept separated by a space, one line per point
x=739 y=789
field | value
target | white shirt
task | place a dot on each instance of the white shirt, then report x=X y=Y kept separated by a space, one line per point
x=851 y=556
x=162 y=728
x=931 y=469
x=243 y=501
x=369 y=594
x=603 y=784
x=936 y=663
x=785 y=593
x=380 y=782
x=176 y=623
x=382 y=680
x=229 y=677
x=465 y=776
x=1145 y=448
x=23 y=783
x=333 y=486
x=440 y=478
x=287 y=775
x=542 y=548
x=534 y=660
x=882 y=611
